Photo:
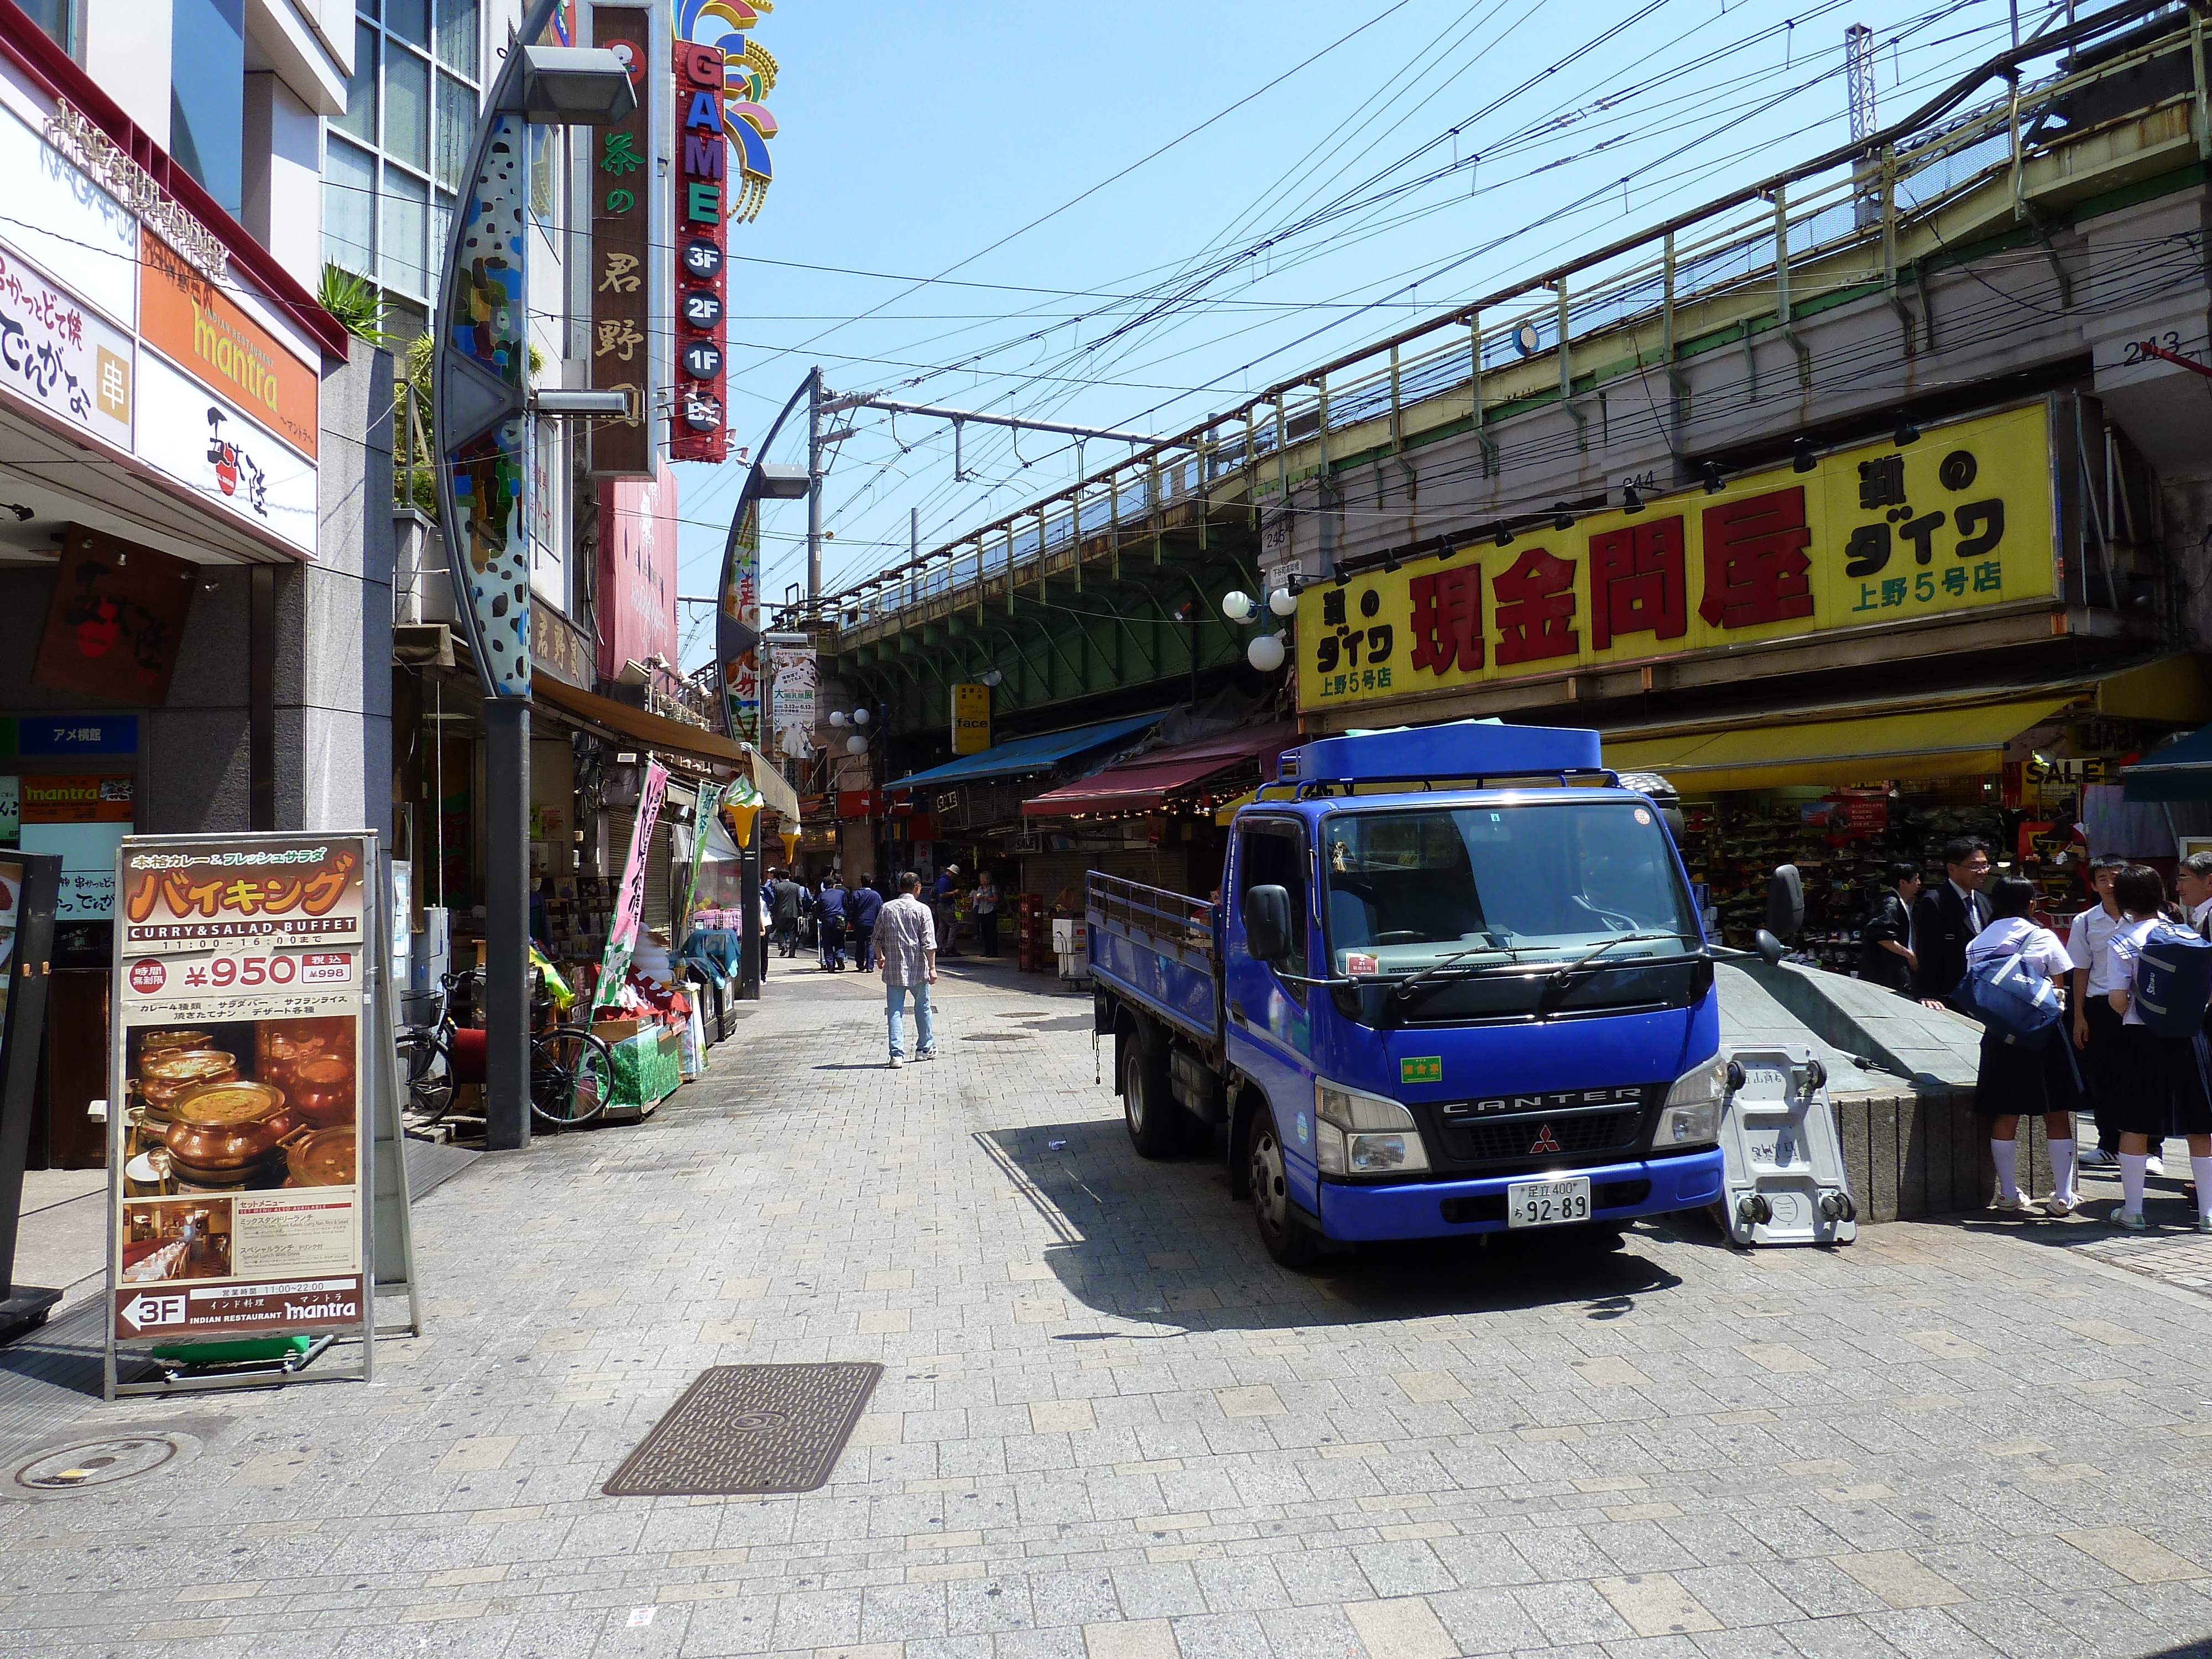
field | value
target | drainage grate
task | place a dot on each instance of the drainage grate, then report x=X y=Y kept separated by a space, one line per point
x=94 y=1463
x=745 y=1429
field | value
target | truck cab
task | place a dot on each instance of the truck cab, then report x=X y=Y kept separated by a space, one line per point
x=1462 y=987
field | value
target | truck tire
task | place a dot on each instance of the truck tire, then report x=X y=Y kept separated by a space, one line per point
x=1157 y=1126
x=1289 y=1240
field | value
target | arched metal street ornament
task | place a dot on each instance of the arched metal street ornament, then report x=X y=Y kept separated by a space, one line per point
x=481 y=388
x=750 y=74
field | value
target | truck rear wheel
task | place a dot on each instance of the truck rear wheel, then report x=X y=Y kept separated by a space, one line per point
x=1289 y=1240
x=1159 y=1128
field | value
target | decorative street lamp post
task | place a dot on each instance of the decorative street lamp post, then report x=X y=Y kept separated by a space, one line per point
x=480 y=416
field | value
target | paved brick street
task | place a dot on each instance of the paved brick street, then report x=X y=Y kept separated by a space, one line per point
x=1110 y=1429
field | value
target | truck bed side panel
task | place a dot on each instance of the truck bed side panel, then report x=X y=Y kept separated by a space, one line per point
x=1175 y=982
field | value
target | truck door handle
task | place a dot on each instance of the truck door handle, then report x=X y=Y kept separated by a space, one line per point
x=1236 y=1010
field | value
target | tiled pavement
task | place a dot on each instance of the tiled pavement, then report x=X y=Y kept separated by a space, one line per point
x=1109 y=1429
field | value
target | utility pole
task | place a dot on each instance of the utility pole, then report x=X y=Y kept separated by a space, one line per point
x=814 y=412
x=1858 y=84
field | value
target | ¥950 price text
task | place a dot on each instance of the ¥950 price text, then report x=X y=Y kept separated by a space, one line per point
x=309 y=967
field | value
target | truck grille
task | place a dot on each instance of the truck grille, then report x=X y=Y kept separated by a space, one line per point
x=1537 y=1136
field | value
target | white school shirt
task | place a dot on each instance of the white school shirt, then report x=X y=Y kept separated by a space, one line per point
x=2089 y=944
x=2127 y=945
x=2017 y=936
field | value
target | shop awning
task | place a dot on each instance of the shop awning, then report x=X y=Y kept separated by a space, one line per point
x=1007 y=760
x=1141 y=784
x=2181 y=771
x=657 y=732
x=1940 y=742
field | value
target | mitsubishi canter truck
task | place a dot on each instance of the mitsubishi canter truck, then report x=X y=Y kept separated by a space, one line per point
x=1455 y=983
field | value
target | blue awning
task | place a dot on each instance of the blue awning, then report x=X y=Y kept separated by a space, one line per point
x=2182 y=771
x=1037 y=754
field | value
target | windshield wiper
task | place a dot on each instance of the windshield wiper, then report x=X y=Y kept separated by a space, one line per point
x=1560 y=981
x=1404 y=989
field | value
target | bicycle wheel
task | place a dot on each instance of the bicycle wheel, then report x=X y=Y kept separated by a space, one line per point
x=425 y=1071
x=572 y=1077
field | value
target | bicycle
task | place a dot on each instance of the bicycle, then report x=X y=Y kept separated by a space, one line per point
x=572 y=1071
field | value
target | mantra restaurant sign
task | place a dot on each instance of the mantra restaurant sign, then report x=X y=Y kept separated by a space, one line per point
x=1960 y=519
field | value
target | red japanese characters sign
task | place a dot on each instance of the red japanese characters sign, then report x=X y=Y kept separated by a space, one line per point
x=1873 y=537
x=696 y=429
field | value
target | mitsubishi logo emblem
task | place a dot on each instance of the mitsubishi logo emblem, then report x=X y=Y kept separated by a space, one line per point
x=1546 y=1141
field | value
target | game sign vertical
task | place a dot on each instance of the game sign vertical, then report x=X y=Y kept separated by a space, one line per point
x=621 y=183
x=697 y=432
x=237 y=1167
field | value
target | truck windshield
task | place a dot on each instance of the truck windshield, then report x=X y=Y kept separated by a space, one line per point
x=1520 y=882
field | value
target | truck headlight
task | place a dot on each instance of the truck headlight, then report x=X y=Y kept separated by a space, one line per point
x=1691 y=1120
x=1357 y=1133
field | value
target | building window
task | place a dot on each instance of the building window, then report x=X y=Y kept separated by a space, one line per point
x=207 y=95
x=412 y=103
x=63 y=20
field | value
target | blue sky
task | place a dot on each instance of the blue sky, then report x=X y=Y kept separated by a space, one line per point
x=1325 y=200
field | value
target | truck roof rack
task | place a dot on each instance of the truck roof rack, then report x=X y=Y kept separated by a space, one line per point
x=1456 y=753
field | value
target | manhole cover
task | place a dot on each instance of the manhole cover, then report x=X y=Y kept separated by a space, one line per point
x=94 y=1463
x=749 y=1429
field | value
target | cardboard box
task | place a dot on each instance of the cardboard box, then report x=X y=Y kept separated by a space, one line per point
x=611 y=1031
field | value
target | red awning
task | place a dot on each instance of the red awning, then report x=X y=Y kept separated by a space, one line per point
x=1141 y=785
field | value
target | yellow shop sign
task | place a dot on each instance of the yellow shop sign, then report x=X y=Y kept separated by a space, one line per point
x=1959 y=520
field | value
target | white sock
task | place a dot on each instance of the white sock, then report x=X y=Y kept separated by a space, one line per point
x=2061 y=1170
x=2131 y=1180
x=2201 y=1168
x=2007 y=1153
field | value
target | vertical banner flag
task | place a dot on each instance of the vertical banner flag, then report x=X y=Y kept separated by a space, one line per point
x=739 y=625
x=696 y=432
x=237 y=1174
x=710 y=808
x=629 y=904
x=622 y=185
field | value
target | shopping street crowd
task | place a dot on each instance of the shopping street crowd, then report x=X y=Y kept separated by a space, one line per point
x=2110 y=1019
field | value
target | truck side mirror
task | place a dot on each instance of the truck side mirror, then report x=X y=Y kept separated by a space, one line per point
x=1268 y=923
x=1770 y=948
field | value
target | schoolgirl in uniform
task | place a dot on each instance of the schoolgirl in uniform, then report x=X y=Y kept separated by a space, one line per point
x=2015 y=1080
x=2167 y=1087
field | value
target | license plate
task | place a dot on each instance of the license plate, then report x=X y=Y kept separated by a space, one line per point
x=1547 y=1203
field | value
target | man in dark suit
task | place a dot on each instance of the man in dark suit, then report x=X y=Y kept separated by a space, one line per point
x=1945 y=917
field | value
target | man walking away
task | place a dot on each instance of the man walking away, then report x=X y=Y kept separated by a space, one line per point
x=947 y=886
x=1946 y=918
x=862 y=905
x=2096 y=1026
x=906 y=943
x=788 y=896
x=830 y=916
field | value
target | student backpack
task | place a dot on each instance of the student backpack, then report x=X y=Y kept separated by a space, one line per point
x=2014 y=999
x=2173 y=981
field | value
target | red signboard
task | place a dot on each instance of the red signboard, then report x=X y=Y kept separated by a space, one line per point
x=637 y=573
x=697 y=430
x=860 y=803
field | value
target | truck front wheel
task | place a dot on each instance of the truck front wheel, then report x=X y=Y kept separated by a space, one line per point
x=1289 y=1240
x=1159 y=1128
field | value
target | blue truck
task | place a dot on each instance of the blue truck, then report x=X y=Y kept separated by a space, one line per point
x=1454 y=983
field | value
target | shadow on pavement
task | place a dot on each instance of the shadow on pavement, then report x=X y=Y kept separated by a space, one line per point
x=1163 y=1243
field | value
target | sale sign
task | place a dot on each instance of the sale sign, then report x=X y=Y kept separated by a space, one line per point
x=237 y=1156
